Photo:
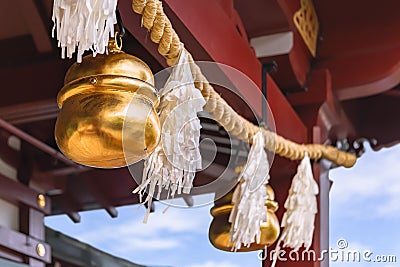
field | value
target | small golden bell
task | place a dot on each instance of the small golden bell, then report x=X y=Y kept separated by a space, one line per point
x=107 y=111
x=219 y=232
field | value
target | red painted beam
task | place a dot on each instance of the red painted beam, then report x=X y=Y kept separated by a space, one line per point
x=211 y=26
x=364 y=26
x=209 y=33
x=272 y=16
x=32 y=82
x=30 y=112
x=8 y=154
x=287 y=122
x=262 y=17
x=38 y=144
x=321 y=230
x=37 y=27
x=321 y=223
x=225 y=45
x=361 y=49
x=320 y=106
x=299 y=58
x=376 y=117
x=18 y=193
x=23 y=244
x=76 y=191
x=364 y=74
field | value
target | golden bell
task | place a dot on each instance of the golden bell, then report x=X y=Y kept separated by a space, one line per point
x=107 y=110
x=219 y=232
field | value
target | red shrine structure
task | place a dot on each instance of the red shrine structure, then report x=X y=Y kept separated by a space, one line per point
x=337 y=82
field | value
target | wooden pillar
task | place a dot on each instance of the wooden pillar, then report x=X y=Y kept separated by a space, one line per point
x=8 y=168
x=281 y=184
x=32 y=220
x=26 y=245
x=32 y=224
x=321 y=232
x=9 y=212
x=23 y=240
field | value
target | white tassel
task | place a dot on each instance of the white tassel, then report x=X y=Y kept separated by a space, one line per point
x=86 y=24
x=249 y=197
x=301 y=207
x=173 y=164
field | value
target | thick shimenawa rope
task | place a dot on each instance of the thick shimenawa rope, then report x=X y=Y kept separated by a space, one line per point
x=161 y=32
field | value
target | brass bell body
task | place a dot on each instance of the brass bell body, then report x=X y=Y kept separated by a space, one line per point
x=107 y=111
x=219 y=232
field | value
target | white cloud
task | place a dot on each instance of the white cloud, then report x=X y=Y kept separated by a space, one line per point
x=158 y=234
x=129 y=244
x=215 y=264
x=376 y=176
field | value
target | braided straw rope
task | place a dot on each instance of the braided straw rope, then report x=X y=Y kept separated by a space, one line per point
x=161 y=32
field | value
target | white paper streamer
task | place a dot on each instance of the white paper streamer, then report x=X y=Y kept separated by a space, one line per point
x=83 y=24
x=301 y=207
x=173 y=164
x=249 y=197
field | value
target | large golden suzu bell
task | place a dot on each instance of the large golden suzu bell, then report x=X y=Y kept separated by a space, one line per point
x=108 y=117
x=219 y=232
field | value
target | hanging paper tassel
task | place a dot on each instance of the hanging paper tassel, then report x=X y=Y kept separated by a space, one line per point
x=86 y=24
x=301 y=207
x=249 y=197
x=173 y=164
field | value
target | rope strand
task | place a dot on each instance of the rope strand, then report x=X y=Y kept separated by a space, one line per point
x=161 y=32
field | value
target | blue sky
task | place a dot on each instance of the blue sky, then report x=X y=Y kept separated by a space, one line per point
x=178 y=237
x=365 y=211
x=365 y=206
